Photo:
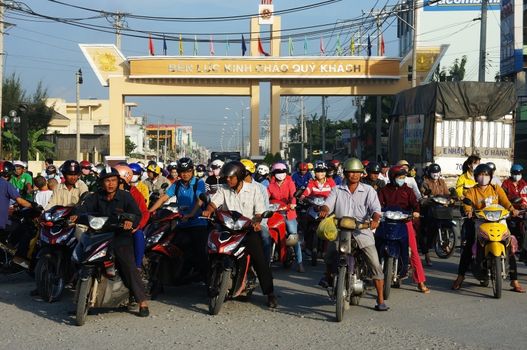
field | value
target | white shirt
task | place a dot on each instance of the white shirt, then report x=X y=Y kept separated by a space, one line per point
x=249 y=201
x=42 y=197
x=410 y=181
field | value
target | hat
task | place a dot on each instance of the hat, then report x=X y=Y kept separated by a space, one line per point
x=19 y=163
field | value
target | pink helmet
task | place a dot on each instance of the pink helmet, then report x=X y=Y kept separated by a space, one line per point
x=279 y=168
x=125 y=172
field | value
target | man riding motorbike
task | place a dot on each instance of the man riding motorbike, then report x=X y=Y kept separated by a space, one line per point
x=155 y=180
x=372 y=176
x=333 y=171
x=302 y=176
x=68 y=193
x=87 y=175
x=516 y=187
x=248 y=200
x=213 y=182
x=356 y=200
x=262 y=175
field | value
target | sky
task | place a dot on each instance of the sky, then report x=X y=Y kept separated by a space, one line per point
x=46 y=51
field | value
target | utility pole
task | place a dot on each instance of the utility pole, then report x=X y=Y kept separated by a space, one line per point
x=414 y=41
x=483 y=41
x=302 y=155
x=118 y=24
x=359 y=127
x=1 y=70
x=286 y=128
x=378 y=118
x=157 y=150
x=78 y=82
x=324 y=112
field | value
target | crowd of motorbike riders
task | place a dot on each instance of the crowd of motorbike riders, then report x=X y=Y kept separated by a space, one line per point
x=304 y=196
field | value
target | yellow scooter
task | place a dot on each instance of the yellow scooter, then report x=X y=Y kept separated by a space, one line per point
x=492 y=244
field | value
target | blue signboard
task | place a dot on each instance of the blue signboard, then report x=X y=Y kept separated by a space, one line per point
x=460 y=5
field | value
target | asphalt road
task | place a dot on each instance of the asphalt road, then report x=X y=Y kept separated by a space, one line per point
x=444 y=319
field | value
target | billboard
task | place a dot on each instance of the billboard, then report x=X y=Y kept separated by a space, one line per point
x=460 y=5
x=511 y=37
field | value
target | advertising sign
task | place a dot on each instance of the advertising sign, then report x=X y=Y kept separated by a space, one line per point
x=511 y=37
x=413 y=134
x=460 y=5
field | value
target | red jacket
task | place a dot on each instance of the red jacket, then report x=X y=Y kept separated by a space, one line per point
x=140 y=200
x=284 y=193
x=402 y=197
x=515 y=191
x=315 y=189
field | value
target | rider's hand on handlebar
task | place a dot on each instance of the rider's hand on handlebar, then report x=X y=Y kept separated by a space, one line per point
x=257 y=226
x=515 y=212
x=206 y=213
x=323 y=212
x=127 y=225
x=73 y=218
x=415 y=215
x=374 y=224
x=292 y=206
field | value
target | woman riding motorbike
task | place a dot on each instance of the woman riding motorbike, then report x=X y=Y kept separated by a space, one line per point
x=466 y=179
x=516 y=187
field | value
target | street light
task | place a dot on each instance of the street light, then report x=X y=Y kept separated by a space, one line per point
x=242 y=143
x=12 y=118
x=78 y=82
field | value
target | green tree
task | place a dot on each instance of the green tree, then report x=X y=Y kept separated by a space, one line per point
x=36 y=144
x=129 y=146
x=456 y=72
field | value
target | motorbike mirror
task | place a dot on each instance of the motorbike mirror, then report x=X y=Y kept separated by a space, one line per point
x=164 y=186
x=299 y=192
x=267 y=214
x=467 y=201
x=516 y=200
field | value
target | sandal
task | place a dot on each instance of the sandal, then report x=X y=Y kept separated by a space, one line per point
x=424 y=290
x=517 y=288
x=457 y=283
x=382 y=307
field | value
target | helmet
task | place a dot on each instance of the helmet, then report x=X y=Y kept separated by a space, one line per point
x=384 y=164
x=403 y=162
x=483 y=168
x=330 y=165
x=279 y=168
x=396 y=171
x=70 y=167
x=51 y=169
x=19 y=163
x=6 y=168
x=303 y=167
x=185 y=164
x=262 y=170
x=201 y=168
x=516 y=169
x=216 y=164
x=154 y=168
x=108 y=172
x=335 y=163
x=136 y=168
x=373 y=168
x=434 y=168
x=492 y=166
x=249 y=165
x=320 y=167
x=310 y=166
x=85 y=164
x=125 y=172
x=365 y=162
x=233 y=168
x=353 y=165
x=291 y=240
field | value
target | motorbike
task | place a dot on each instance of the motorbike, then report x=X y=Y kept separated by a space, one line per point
x=315 y=245
x=281 y=245
x=388 y=240
x=231 y=273
x=348 y=282
x=491 y=246
x=442 y=219
x=154 y=196
x=99 y=284
x=57 y=240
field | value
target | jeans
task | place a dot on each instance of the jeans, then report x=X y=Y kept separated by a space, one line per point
x=139 y=248
x=292 y=228
x=266 y=239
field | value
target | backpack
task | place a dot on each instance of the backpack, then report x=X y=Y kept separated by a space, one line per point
x=194 y=187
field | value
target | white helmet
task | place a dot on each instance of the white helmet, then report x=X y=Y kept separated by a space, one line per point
x=262 y=170
x=217 y=164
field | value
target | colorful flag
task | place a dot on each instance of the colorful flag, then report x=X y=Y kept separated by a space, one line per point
x=150 y=45
x=164 y=45
x=180 y=45
x=211 y=46
x=305 y=45
x=227 y=47
x=244 y=47
x=382 y=45
x=369 y=46
x=352 y=46
x=261 y=49
x=322 y=49
x=338 y=49
x=290 y=46
x=195 y=49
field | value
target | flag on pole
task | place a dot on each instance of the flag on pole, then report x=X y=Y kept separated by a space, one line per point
x=211 y=45
x=305 y=45
x=338 y=49
x=290 y=47
x=150 y=45
x=322 y=49
x=164 y=45
x=195 y=50
x=352 y=46
x=382 y=45
x=261 y=49
x=227 y=47
x=244 y=46
x=180 y=45
x=369 y=46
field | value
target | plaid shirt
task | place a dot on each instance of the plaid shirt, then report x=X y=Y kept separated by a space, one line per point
x=249 y=201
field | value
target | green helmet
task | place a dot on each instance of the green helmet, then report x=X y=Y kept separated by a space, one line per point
x=353 y=165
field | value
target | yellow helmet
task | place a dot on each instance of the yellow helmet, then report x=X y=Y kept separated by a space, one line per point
x=403 y=162
x=310 y=166
x=249 y=165
x=156 y=169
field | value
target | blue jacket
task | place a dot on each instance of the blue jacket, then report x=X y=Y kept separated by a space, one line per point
x=301 y=181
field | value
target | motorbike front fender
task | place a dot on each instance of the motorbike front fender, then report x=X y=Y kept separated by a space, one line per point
x=495 y=249
x=86 y=271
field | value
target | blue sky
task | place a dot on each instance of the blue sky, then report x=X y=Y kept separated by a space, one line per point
x=48 y=51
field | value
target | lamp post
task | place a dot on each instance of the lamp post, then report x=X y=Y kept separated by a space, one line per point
x=12 y=118
x=78 y=82
x=242 y=143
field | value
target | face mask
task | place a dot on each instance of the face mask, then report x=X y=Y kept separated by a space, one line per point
x=86 y=171
x=516 y=178
x=312 y=173
x=200 y=174
x=280 y=177
x=399 y=182
x=135 y=178
x=483 y=180
x=435 y=176
x=216 y=172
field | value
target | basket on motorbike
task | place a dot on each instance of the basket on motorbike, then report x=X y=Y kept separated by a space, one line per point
x=441 y=213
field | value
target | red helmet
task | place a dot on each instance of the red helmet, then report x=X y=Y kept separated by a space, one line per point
x=85 y=164
x=365 y=162
x=396 y=171
x=335 y=163
x=303 y=167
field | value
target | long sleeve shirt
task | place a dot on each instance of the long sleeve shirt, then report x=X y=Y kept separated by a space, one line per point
x=140 y=201
x=482 y=198
x=515 y=190
x=464 y=180
x=395 y=197
x=284 y=192
x=317 y=189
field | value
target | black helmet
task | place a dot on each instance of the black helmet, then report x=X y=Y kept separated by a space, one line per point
x=492 y=166
x=483 y=168
x=320 y=167
x=201 y=168
x=373 y=167
x=70 y=167
x=108 y=172
x=434 y=168
x=384 y=164
x=185 y=164
x=234 y=168
x=6 y=168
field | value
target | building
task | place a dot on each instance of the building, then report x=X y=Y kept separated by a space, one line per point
x=454 y=23
x=169 y=140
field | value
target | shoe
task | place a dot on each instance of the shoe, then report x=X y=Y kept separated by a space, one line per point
x=271 y=301
x=143 y=311
x=300 y=268
x=458 y=282
x=323 y=282
x=382 y=307
x=21 y=262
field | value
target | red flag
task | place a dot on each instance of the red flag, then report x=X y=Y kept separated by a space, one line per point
x=261 y=49
x=150 y=45
x=382 y=45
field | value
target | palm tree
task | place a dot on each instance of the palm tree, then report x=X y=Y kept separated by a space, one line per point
x=35 y=144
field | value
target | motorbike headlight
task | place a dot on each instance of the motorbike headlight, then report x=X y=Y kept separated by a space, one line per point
x=99 y=254
x=492 y=215
x=97 y=222
x=230 y=247
x=440 y=200
x=395 y=215
x=58 y=214
x=229 y=223
x=154 y=239
x=48 y=216
x=274 y=207
x=318 y=201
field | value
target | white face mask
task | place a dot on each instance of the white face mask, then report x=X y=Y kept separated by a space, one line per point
x=135 y=178
x=483 y=180
x=435 y=176
x=399 y=182
x=280 y=177
x=216 y=172
x=516 y=178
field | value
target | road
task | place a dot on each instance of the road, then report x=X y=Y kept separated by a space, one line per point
x=444 y=319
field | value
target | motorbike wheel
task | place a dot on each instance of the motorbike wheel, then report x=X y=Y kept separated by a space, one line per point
x=445 y=250
x=495 y=276
x=314 y=250
x=83 y=300
x=388 y=276
x=49 y=279
x=340 y=295
x=289 y=258
x=221 y=281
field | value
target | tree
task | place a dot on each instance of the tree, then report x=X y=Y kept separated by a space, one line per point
x=456 y=72
x=129 y=146
x=36 y=144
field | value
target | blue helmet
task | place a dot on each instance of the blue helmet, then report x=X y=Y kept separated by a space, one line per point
x=516 y=169
x=136 y=168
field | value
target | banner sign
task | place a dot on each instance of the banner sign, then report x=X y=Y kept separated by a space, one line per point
x=413 y=134
x=460 y=5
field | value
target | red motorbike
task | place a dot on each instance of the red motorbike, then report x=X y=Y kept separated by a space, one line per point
x=57 y=241
x=282 y=242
